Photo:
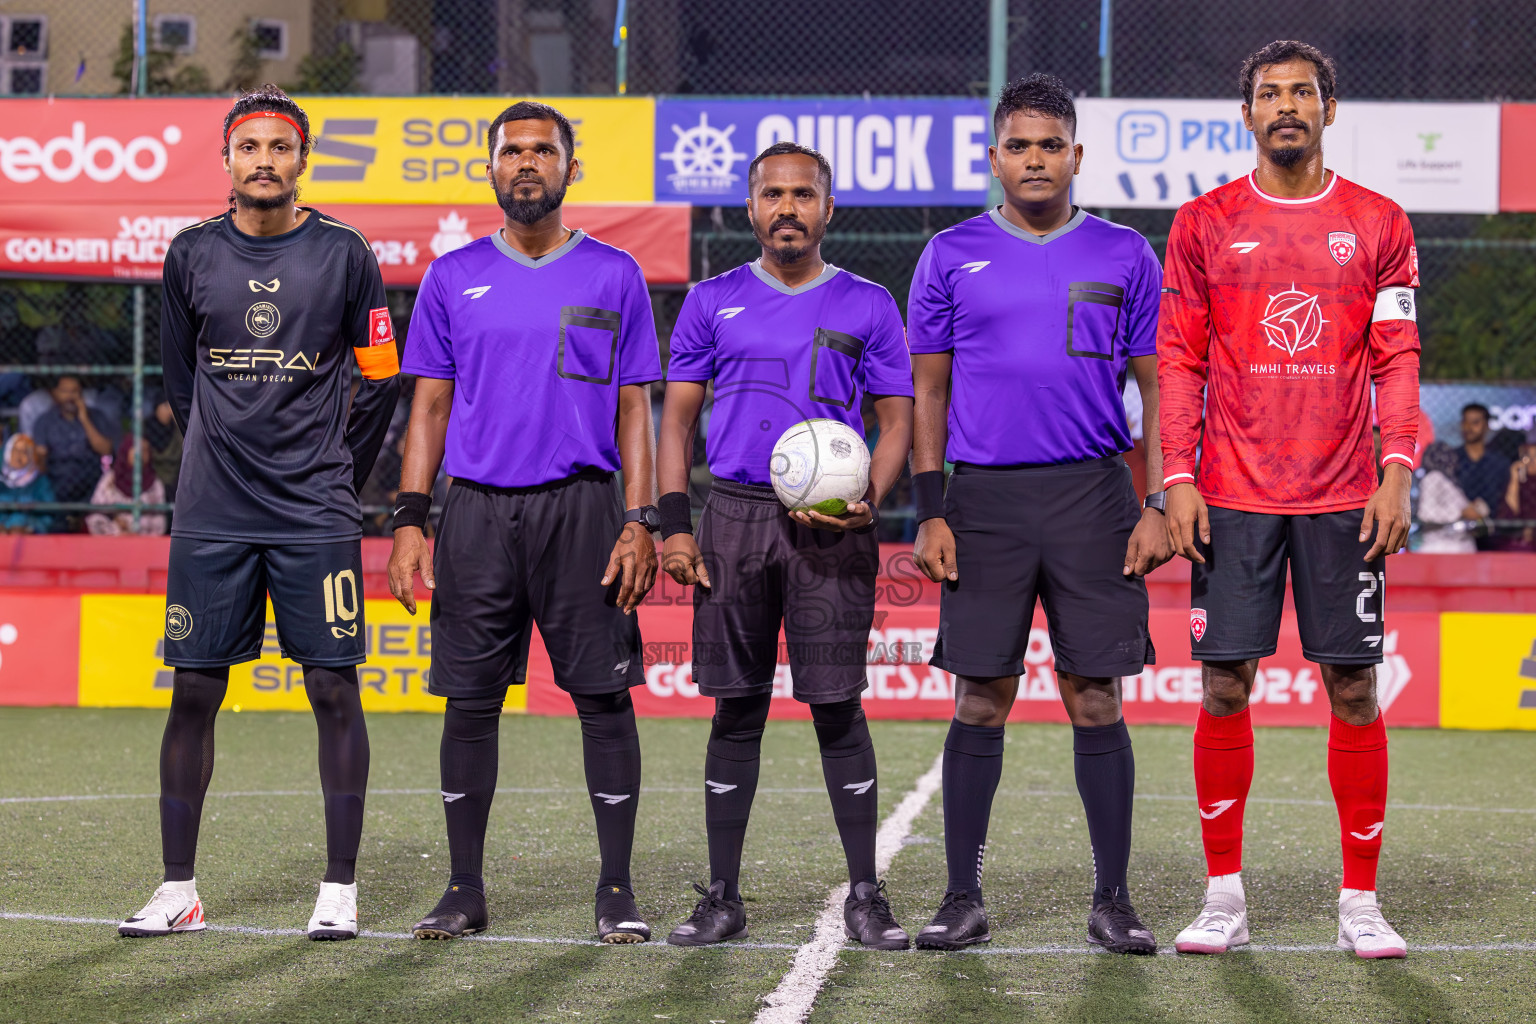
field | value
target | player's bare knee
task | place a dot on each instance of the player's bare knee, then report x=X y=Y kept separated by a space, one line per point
x=984 y=702
x=1352 y=692
x=1227 y=686
x=1090 y=701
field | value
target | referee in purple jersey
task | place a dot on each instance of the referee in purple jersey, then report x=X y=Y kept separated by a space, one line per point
x=784 y=339
x=1022 y=323
x=533 y=349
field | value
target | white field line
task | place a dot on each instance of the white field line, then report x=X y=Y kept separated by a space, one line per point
x=533 y=790
x=237 y=929
x=791 y=1002
x=214 y=794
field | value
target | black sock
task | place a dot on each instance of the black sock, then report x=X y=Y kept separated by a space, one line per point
x=338 y=707
x=186 y=764
x=1106 y=780
x=848 y=765
x=610 y=748
x=730 y=783
x=973 y=766
x=469 y=757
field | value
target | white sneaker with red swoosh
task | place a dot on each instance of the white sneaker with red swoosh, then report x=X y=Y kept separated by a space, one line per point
x=1363 y=929
x=174 y=907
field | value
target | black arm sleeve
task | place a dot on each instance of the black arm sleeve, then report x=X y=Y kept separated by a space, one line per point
x=374 y=404
x=178 y=338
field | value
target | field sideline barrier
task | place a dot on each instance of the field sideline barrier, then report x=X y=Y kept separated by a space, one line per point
x=81 y=622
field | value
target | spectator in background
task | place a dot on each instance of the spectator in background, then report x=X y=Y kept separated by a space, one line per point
x=71 y=443
x=164 y=439
x=1481 y=472
x=116 y=488
x=1442 y=504
x=1520 y=497
x=21 y=479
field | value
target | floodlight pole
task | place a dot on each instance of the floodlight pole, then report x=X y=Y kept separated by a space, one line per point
x=997 y=76
x=141 y=47
x=1106 y=46
x=621 y=44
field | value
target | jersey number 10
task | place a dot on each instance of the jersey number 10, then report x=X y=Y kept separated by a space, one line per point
x=341 y=600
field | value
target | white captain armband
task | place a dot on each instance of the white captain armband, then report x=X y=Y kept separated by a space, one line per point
x=1394 y=304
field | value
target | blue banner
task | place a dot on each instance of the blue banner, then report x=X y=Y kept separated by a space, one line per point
x=883 y=152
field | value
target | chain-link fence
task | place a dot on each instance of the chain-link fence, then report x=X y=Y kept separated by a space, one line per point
x=1477 y=305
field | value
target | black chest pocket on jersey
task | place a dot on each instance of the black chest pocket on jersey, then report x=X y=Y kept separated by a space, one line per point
x=589 y=344
x=1093 y=318
x=834 y=361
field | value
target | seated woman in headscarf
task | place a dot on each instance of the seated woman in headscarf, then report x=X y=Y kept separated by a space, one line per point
x=22 y=480
x=1442 y=504
x=116 y=488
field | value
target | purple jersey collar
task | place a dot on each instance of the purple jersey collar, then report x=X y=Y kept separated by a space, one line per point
x=827 y=273
x=996 y=213
x=543 y=261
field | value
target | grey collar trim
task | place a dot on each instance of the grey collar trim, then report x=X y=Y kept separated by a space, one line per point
x=548 y=258
x=827 y=273
x=996 y=213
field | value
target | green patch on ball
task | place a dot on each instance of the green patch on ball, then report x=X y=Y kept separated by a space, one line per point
x=831 y=507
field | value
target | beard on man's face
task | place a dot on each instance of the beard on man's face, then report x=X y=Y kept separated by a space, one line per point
x=529 y=211
x=790 y=252
x=1287 y=156
x=266 y=202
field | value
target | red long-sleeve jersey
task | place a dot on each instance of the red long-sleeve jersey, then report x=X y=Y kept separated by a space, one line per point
x=1277 y=314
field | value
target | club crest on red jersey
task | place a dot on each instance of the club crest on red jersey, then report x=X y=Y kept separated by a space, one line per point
x=1197 y=623
x=1341 y=246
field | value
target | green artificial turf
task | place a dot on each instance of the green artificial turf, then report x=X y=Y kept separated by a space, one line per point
x=1459 y=868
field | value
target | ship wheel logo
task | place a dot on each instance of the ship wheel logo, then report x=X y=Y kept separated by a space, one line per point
x=702 y=157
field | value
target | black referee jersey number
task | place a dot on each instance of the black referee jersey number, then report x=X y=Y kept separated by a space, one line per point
x=341 y=605
x=1093 y=318
x=834 y=361
x=589 y=343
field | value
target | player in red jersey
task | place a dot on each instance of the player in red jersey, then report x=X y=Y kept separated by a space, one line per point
x=1286 y=294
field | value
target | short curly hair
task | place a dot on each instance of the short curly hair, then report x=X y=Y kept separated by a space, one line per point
x=1281 y=51
x=1039 y=93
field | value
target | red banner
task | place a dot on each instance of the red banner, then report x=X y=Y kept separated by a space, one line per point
x=1289 y=689
x=39 y=648
x=126 y=240
x=1517 y=157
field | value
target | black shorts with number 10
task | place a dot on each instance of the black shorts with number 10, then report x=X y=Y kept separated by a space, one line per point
x=216 y=602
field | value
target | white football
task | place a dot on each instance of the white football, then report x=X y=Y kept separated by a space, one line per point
x=820 y=464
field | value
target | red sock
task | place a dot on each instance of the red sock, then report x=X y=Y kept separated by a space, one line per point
x=1357 y=771
x=1223 y=776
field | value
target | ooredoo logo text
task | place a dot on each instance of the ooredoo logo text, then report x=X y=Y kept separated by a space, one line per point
x=101 y=158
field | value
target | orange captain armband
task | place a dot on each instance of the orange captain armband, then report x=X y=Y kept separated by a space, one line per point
x=379 y=358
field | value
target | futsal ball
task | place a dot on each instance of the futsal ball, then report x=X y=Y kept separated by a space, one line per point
x=820 y=464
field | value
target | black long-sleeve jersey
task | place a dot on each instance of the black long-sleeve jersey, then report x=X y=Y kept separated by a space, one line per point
x=258 y=337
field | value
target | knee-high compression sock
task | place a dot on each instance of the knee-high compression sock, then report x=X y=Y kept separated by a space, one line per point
x=1106 y=780
x=469 y=757
x=973 y=766
x=1223 y=776
x=186 y=764
x=610 y=748
x=338 y=708
x=848 y=765
x=730 y=783
x=1357 y=771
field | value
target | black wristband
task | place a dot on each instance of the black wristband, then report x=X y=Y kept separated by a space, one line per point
x=676 y=513
x=928 y=494
x=412 y=509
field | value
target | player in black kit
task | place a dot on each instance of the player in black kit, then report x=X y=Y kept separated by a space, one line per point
x=266 y=310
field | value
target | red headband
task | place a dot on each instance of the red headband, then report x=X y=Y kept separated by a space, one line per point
x=264 y=113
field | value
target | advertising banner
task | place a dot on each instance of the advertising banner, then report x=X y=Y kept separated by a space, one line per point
x=127 y=241
x=1517 y=157
x=883 y=152
x=38 y=632
x=367 y=150
x=1487 y=671
x=122 y=638
x=902 y=685
x=1429 y=157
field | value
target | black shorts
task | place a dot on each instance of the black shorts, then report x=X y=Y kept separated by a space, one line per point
x=216 y=602
x=1236 y=597
x=1054 y=532
x=766 y=569
x=508 y=559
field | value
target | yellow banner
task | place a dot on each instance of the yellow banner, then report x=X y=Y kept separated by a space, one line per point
x=122 y=640
x=1487 y=671
x=433 y=150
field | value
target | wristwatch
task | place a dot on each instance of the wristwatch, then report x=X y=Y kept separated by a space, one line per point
x=648 y=516
x=1157 y=500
